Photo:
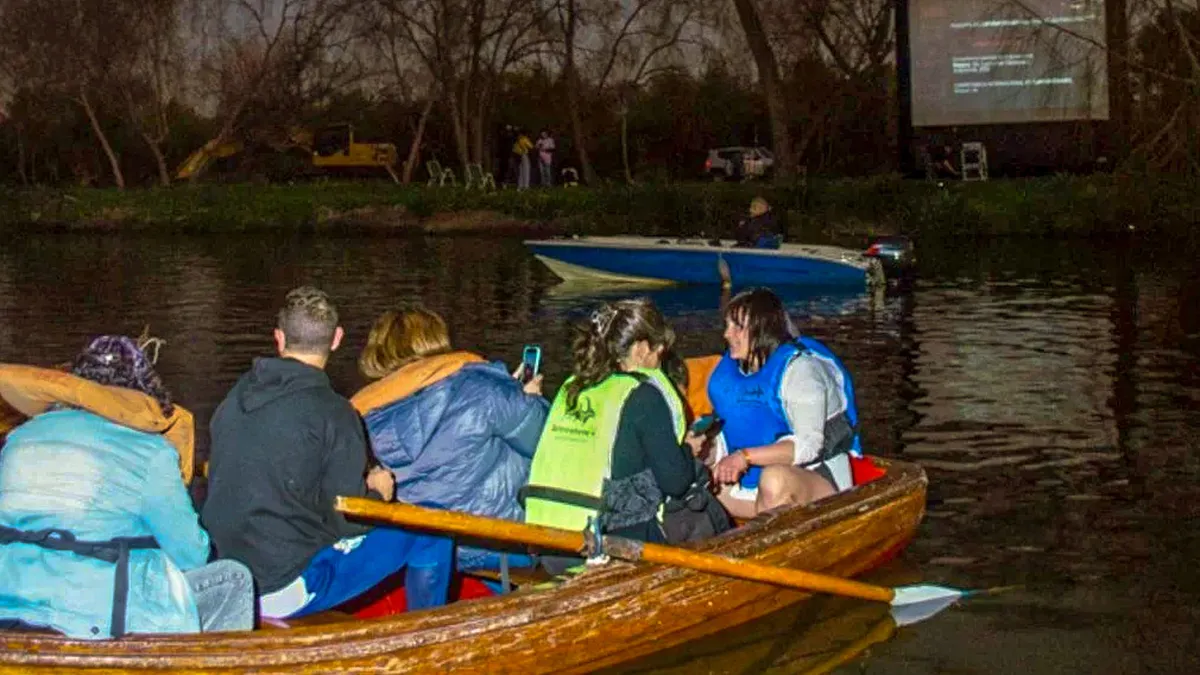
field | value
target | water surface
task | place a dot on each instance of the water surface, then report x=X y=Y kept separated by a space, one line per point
x=1050 y=390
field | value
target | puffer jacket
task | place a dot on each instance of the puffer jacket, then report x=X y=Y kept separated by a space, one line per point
x=462 y=441
x=75 y=471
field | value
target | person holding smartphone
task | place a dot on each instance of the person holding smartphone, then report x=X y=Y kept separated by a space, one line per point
x=456 y=431
x=616 y=445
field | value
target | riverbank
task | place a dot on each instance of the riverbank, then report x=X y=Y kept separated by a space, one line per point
x=819 y=210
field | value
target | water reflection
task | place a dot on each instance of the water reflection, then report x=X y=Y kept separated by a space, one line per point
x=1051 y=391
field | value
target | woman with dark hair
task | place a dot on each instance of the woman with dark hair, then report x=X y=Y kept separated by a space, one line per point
x=788 y=409
x=98 y=536
x=615 y=445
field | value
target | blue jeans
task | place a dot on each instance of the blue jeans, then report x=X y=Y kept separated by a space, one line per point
x=546 y=170
x=471 y=558
x=523 y=172
x=224 y=595
x=353 y=566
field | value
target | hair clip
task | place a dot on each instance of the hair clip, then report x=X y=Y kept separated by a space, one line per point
x=602 y=319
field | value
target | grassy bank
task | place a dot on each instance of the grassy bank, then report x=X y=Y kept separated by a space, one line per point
x=820 y=210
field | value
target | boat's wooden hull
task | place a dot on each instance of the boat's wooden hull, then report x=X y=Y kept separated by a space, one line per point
x=602 y=618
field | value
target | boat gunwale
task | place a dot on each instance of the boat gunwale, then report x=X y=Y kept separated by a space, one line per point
x=817 y=252
x=373 y=638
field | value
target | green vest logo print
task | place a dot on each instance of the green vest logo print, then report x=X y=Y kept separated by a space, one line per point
x=583 y=412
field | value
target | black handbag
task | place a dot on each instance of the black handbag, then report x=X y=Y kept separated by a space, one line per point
x=696 y=515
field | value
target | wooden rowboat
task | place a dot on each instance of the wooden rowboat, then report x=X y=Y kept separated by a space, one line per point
x=604 y=617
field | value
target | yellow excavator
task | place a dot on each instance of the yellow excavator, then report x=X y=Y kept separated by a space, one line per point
x=331 y=147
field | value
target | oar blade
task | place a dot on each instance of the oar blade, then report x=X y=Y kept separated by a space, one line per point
x=917 y=603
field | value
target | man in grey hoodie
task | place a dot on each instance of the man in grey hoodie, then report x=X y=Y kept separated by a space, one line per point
x=284 y=445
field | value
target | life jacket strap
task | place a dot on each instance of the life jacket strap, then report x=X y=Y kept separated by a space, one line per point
x=553 y=494
x=115 y=550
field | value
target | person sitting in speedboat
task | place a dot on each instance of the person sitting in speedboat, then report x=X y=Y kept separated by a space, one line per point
x=760 y=230
x=456 y=431
x=98 y=535
x=787 y=403
x=615 y=445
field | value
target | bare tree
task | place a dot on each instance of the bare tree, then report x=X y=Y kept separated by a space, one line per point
x=273 y=58
x=1158 y=71
x=629 y=43
x=401 y=68
x=154 y=75
x=72 y=51
x=466 y=46
x=771 y=84
x=856 y=38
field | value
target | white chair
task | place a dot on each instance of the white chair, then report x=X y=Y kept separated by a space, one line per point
x=973 y=160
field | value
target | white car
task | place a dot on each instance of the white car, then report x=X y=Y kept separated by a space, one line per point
x=756 y=163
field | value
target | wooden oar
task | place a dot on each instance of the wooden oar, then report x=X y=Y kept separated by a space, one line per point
x=626 y=549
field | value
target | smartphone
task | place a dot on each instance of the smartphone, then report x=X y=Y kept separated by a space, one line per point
x=531 y=359
x=708 y=426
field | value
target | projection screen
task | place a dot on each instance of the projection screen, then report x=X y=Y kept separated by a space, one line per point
x=1007 y=61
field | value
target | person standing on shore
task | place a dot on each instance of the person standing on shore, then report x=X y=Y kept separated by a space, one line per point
x=521 y=149
x=545 y=147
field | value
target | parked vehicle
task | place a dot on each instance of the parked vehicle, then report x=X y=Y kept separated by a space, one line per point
x=757 y=162
x=332 y=148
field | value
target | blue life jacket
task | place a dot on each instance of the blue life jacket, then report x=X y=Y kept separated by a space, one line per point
x=752 y=410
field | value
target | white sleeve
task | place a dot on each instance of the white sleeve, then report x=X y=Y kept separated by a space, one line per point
x=720 y=449
x=802 y=392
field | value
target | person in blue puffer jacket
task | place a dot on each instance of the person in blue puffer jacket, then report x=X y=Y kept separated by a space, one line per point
x=457 y=432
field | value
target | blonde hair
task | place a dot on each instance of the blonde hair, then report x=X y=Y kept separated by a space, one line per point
x=400 y=337
x=760 y=203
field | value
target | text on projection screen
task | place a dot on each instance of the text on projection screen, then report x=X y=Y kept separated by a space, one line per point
x=1007 y=61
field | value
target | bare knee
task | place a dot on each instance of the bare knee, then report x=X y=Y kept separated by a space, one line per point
x=790 y=486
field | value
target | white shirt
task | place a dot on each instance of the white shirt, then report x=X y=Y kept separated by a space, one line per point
x=811 y=391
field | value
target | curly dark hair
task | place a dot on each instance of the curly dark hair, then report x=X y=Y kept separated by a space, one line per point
x=606 y=337
x=117 y=361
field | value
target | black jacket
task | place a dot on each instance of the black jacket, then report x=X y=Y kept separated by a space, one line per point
x=751 y=229
x=284 y=444
x=646 y=440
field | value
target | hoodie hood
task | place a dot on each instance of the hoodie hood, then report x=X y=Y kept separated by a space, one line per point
x=274 y=378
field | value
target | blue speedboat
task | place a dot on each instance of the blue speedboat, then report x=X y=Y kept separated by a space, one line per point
x=654 y=260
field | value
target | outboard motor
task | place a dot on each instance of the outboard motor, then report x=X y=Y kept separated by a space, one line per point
x=895 y=253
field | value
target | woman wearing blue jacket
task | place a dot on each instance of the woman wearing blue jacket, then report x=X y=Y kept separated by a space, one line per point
x=457 y=432
x=98 y=536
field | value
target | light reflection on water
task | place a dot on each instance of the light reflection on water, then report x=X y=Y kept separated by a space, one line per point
x=1049 y=389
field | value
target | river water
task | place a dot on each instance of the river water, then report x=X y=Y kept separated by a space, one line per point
x=1050 y=389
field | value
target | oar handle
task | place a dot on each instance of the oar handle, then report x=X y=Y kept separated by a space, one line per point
x=566 y=540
